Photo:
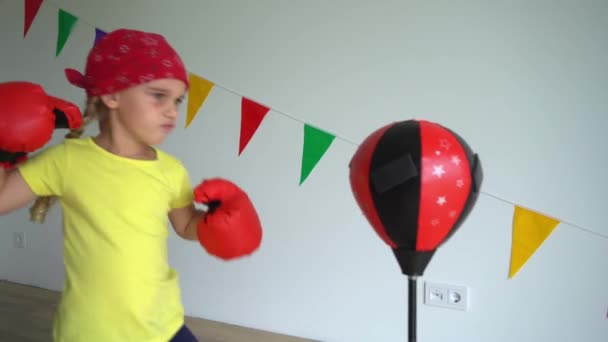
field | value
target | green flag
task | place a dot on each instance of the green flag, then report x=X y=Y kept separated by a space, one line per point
x=316 y=143
x=66 y=23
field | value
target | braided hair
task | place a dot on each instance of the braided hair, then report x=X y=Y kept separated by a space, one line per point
x=95 y=109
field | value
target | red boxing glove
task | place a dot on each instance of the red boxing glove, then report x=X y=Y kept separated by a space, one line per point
x=28 y=117
x=231 y=227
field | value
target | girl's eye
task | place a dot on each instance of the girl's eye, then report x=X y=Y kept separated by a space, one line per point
x=158 y=96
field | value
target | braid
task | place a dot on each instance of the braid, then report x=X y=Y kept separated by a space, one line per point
x=94 y=109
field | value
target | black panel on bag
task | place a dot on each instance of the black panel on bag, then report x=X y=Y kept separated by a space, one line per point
x=395 y=172
x=398 y=206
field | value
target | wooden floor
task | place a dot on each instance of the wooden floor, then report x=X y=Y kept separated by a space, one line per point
x=26 y=315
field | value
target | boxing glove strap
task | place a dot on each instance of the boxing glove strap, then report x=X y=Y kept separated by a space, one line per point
x=10 y=159
x=212 y=205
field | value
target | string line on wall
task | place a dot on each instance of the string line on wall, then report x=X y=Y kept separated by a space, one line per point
x=490 y=195
x=292 y=117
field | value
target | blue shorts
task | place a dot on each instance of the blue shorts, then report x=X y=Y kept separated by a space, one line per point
x=184 y=335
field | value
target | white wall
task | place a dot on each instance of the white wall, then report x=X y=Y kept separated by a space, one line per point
x=532 y=74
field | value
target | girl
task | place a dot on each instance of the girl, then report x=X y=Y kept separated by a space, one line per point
x=118 y=194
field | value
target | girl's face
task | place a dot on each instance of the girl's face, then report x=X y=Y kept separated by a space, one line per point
x=148 y=112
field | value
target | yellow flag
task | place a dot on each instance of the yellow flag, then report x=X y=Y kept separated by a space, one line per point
x=530 y=230
x=197 y=94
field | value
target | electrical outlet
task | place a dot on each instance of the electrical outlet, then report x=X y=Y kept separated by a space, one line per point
x=435 y=295
x=446 y=296
x=19 y=240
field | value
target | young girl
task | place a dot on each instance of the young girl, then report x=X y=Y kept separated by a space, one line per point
x=118 y=194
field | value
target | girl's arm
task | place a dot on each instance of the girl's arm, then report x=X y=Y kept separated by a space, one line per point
x=14 y=191
x=184 y=221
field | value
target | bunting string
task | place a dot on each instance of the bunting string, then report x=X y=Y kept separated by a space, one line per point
x=569 y=223
x=530 y=228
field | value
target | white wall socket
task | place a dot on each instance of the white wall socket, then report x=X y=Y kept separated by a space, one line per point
x=446 y=296
x=19 y=240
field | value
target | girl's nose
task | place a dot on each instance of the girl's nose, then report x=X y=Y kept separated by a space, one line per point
x=172 y=111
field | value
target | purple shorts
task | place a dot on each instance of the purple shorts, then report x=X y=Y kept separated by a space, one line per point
x=184 y=335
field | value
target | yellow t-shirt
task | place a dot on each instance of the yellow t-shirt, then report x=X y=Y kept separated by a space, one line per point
x=118 y=284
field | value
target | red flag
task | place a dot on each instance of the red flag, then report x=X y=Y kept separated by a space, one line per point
x=252 y=114
x=31 y=9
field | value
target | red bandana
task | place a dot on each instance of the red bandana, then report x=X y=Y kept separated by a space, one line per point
x=126 y=58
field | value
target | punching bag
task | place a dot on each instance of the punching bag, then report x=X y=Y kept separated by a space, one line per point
x=415 y=182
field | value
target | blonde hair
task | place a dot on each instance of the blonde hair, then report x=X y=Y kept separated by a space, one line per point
x=95 y=109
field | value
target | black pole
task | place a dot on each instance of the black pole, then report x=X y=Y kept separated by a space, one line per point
x=412 y=286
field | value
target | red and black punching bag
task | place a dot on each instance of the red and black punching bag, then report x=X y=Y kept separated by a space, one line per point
x=415 y=182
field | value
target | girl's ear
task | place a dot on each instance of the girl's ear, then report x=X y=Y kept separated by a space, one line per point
x=110 y=100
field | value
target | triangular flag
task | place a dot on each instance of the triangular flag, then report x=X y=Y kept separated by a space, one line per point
x=31 y=9
x=252 y=114
x=316 y=143
x=66 y=24
x=98 y=35
x=199 y=89
x=530 y=229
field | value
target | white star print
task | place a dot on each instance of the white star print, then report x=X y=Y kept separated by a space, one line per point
x=445 y=144
x=438 y=152
x=453 y=213
x=438 y=170
x=441 y=200
x=149 y=41
x=435 y=222
x=456 y=160
x=460 y=183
